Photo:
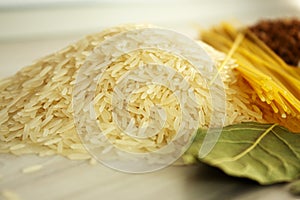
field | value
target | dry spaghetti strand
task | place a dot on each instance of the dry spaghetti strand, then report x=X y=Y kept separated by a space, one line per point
x=271 y=78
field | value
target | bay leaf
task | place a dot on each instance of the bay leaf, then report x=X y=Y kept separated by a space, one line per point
x=266 y=153
x=294 y=188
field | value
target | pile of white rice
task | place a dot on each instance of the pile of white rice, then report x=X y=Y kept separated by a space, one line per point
x=36 y=113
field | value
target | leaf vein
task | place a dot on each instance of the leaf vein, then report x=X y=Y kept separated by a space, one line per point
x=275 y=156
x=261 y=162
x=287 y=144
x=250 y=148
x=235 y=142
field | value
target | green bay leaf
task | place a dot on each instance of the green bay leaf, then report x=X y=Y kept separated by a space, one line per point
x=266 y=153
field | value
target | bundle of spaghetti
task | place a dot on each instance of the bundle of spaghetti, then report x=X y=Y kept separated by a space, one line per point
x=270 y=78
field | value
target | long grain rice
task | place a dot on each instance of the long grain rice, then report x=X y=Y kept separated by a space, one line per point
x=32 y=169
x=9 y=195
x=36 y=115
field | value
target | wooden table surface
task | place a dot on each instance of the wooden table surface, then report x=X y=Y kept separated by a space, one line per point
x=25 y=36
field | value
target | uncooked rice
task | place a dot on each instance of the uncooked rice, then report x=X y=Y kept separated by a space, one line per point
x=31 y=169
x=9 y=195
x=36 y=113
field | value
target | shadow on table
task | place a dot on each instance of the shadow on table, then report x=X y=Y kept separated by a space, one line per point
x=210 y=183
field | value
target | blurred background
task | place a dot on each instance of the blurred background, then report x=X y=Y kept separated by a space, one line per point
x=27 y=19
